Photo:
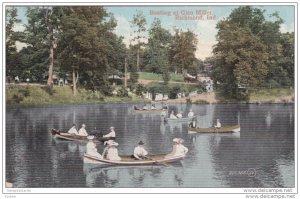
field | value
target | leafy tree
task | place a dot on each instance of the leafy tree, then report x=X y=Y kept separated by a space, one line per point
x=12 y=58
x=182 y=51
x=85 y=46
x=157 y=50
x=138 y=24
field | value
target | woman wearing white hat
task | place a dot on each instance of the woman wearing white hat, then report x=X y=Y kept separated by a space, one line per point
x=82 y=131
x=218 y=124
x=175 y=143
x=180 y=149
x=111 y=134
x=179 y=115
x=112 y=152
x=91 y=148
x=191 y=114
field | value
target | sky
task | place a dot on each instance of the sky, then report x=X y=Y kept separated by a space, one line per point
x=202 y=21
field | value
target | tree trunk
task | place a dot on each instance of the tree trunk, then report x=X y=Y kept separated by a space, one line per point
x=74 y=83
x=51 y=54
x=125 y=75
x=138 y=59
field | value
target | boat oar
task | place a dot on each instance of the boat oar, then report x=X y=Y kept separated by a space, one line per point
x=157 y=161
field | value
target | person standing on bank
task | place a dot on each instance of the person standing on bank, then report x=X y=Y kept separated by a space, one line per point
x=139 y=152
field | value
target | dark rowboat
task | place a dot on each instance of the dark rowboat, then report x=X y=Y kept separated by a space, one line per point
x=149 y=111
x=226 y=129
x=70 y=137
x=129 y=161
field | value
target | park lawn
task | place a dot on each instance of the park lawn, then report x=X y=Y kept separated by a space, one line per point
x=158 y=77
x=33 y=95
x=270 y=95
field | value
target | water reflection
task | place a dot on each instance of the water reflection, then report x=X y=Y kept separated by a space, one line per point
x=34 y=159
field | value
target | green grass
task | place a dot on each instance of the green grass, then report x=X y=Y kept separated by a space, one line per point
x=270 y=94
x=158 y=77
x=39 y=95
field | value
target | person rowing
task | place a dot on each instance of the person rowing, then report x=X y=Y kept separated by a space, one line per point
x=111 y=134
x=140 y=152
x=136 y=108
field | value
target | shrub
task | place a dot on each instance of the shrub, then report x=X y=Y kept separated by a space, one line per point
x=122 y=92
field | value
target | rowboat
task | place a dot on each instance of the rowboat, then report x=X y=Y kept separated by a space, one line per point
x=186 y=119
x=227 y=129
x=149 y=111
x=70 y=137
x=160 y=159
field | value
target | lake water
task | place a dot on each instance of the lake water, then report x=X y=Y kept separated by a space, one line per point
x=261 y=155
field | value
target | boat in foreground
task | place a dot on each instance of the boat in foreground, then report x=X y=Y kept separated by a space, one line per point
x=226 y=129
x=70 y=137
x=128 y=160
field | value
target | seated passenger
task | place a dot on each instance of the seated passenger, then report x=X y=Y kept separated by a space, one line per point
x=191 y=114
x=145 y=107
x=91 y=148
x=153 y=107
x=179 y=115
x=218 y=125
x=180 y=149
x=73 y=130
x=112 y=152
x=139 y=152
x=172 y=116
x=82 y=131
x=111 y=134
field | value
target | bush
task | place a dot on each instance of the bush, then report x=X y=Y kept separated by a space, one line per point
x=200 y=101
x=174 y=91
x=140 y=89
x=122 y=92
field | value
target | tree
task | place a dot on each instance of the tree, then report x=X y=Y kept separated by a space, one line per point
x=182 y=51
x=157 y=50
x=85 y=46
x=138 y=24
x=250 y=52
x=12 y=59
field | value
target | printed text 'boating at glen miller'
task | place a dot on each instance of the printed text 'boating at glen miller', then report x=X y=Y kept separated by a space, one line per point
x=186 y=14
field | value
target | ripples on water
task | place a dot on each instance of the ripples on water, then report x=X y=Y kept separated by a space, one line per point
x=265 y=145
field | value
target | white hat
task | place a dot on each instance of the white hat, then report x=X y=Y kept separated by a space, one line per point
x=111 y=127
x=180 y=140
x=176 y=140
x=90 y=137
x=83 y=125
x=114 y=144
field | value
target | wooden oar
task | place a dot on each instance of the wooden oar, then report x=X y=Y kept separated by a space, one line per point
x=157 y=161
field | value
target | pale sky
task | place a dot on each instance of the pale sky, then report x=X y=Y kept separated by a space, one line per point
x=203 y=24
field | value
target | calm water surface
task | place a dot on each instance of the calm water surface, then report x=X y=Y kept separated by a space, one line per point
x=262 y=155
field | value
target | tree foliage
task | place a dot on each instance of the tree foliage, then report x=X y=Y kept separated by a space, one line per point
x=250 y=52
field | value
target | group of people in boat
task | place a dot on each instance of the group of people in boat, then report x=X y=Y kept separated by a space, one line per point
x=152 y=107
x=179 y=114
x=82 y=131
x=111 y=152
x=194 y=125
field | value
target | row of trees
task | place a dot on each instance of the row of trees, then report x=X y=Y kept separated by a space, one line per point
x=252 y=53
x=79 y=43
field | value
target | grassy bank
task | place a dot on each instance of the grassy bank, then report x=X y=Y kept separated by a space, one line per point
x=275 y=95
x=158 y=77
x=40 y=95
